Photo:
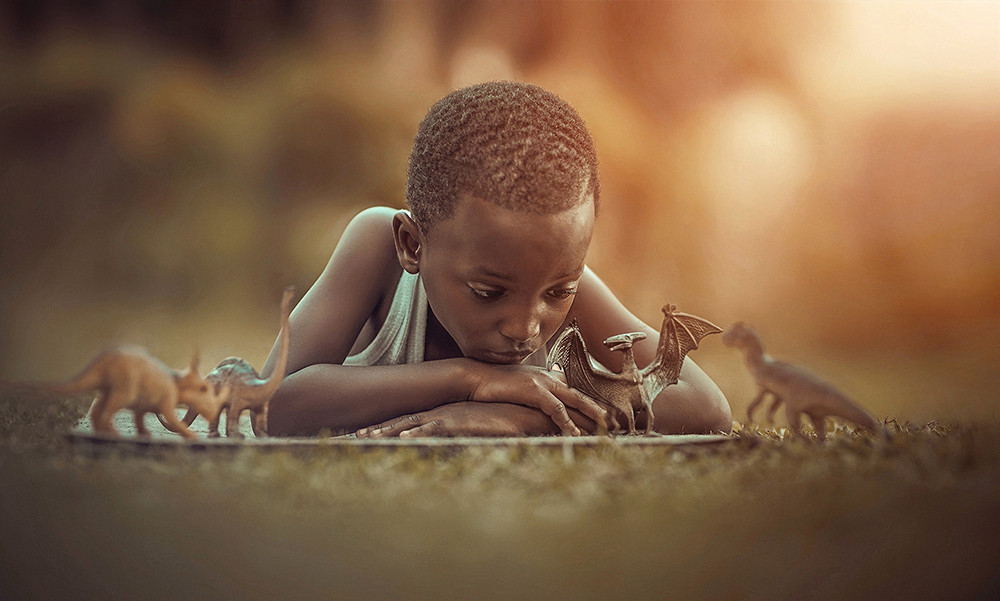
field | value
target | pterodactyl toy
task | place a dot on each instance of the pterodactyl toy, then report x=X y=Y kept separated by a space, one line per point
x=633 y=389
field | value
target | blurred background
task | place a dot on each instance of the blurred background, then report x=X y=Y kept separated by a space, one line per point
x=829 y=172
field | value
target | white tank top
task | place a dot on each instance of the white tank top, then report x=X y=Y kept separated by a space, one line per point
x=402 y=336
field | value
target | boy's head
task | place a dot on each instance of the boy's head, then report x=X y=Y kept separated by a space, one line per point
x=513 y=144
x=503 y=180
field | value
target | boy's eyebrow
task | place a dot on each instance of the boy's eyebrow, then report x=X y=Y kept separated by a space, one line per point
x=571 y=274
x=489 y=273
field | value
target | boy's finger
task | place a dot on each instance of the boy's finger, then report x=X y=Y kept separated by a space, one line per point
x=553 y=407
x=612 y=423
x=367 y=431
x=588 y=406
x=393 y=427
x=433 y=428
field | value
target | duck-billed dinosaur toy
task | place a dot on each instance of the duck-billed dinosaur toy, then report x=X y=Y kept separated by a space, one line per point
x=633 y=389
x=249 y=392
x=801 y=391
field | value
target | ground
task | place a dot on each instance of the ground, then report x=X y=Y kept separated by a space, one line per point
x=763 y=517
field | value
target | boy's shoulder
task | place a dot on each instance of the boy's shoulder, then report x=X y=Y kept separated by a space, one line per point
x=373 y=220
x=367 y=245
x=371 y=229
x=353 y=289
x=364 y=268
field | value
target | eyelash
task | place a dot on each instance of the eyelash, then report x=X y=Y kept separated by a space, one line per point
x=487 y=294
x=563 y=294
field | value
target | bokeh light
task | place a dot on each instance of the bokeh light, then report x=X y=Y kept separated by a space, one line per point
x=827 y=171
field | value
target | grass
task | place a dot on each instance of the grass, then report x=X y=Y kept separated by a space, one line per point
x=765 y=517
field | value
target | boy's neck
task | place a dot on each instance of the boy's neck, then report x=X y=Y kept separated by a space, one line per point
x=438 y=343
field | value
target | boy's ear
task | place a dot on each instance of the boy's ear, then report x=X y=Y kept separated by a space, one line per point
x=409 y=241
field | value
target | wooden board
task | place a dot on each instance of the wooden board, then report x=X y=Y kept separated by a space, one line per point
x=90 y=438
x=84 y=437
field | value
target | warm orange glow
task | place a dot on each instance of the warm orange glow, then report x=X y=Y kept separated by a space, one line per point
x=908 y=53
x=825 y=170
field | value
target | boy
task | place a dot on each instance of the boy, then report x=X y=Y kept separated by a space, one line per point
x=435 y=321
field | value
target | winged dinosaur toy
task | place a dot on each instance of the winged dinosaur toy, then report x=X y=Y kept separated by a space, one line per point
x=633 y=389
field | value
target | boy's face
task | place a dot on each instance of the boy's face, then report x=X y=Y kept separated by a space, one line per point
x=500 y=281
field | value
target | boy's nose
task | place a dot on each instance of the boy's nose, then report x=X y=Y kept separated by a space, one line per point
x=521 y=328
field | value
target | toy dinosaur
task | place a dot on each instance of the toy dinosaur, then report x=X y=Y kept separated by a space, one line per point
x=800 y=390
x=633 y=389
x=128 y=377
x=248 y=390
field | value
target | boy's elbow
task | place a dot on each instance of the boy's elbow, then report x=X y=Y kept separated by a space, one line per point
x=300 y=408
x=280 y=418
x=687 y=409
x=284 y=414
x=718 y=415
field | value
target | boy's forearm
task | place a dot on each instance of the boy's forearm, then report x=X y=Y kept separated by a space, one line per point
x=345 y=398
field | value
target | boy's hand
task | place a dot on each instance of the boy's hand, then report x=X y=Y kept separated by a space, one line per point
x=457 y=419
x=473 y=419
x=539 y=388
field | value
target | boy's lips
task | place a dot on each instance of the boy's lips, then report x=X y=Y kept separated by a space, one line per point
x=508 y=358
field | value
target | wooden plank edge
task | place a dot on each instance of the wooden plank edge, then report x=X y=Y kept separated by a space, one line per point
x=79 y=438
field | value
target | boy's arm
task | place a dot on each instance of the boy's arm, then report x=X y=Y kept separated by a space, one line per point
x=694 y=405
x=320 y=392
x=475 y=419
x=345 y=398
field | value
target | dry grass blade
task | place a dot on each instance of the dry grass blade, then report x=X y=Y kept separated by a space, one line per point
x=767 y=516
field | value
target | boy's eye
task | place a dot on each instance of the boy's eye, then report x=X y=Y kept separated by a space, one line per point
x=562 y=293
x=486 y=293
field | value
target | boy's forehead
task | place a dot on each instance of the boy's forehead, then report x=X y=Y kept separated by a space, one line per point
x=545 y=203
x=497 y=234
x=470 y=209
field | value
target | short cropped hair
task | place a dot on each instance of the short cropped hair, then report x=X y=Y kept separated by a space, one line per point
x=513 y=144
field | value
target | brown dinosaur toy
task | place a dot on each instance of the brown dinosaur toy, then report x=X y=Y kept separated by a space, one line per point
x=128 y=377
x=800 y=390
x=632 y=389
x=248 y=390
